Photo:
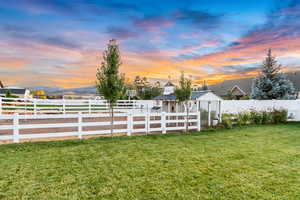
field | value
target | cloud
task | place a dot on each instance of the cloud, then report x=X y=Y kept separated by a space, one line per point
x=56 y=6
x=27 y=34
x=281 y=32
x=120 y=32
x=11 y=28
x=152 y=23
x=78 y=9
x=200 y=19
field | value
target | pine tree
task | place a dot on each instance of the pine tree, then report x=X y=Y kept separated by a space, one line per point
x=110 y=83
x=184 y=93
x=271 y=84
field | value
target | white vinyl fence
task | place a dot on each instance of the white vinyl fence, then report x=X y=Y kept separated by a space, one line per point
x=236 y=106
x=15 y=127
x=64 y=106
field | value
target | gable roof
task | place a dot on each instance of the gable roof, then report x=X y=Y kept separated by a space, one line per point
x=169 y=84
x=223 y=88
x=237 y=91
x=195 y=95
x=198 y=94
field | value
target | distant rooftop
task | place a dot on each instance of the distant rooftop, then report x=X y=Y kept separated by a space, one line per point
x=12 y=90
x=169 y=84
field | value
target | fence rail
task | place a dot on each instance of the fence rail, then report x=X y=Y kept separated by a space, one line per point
x=63 y=106
x=26 y=127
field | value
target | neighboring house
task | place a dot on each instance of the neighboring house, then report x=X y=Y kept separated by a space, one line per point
x=169 y=103
x=237 y=93
x=222 y=89
x=16 y=91
x=229 y=87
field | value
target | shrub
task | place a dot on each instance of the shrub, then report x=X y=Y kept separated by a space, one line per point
x=243 y=118
x=279 y=115
x=266 y=117
x=255 y=117
x=227 y=120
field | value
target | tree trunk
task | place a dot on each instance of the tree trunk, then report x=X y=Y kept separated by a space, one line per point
x=187 y=116
x=112 y=121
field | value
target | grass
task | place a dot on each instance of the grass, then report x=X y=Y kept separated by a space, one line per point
x=258 y=162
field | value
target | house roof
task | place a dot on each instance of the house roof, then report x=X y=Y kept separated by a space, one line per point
x=166 y=97
x=13 y=90
x=237 y=91
x=195 y=95
x=169 y=84
x=223 y=88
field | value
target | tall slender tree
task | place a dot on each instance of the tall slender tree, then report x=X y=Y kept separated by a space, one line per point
x=110 y=82
x=204 y=86
x=271 y=84
x=183 y=94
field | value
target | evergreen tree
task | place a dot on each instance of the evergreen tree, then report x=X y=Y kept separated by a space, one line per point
x=184 y=93
x=271 y=84
x=110 y=83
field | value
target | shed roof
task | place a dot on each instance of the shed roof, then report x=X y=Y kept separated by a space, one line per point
x=195 y=95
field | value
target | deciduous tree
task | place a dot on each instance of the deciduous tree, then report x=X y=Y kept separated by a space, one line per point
x=183 y=94
x=110 y=82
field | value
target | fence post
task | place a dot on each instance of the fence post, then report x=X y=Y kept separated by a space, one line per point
x=147 y=121
x=90 y=106
x=163 y=122
x=34 y=106
x=129 y=123
x=64 y=106
x=80 y=125
x=199 y=121
x=0 y=106
x=209 y=120
x=16 y=138
x=220 y=111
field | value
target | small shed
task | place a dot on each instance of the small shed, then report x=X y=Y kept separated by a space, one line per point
x=169 y=103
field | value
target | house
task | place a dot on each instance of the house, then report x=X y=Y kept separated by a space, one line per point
x=168 y=102
x=237 y=93
x=16 y=91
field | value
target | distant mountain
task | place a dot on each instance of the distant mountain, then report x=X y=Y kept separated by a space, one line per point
x=61 y=91
x=245 y=84
x=81 y=91
x=47 y=89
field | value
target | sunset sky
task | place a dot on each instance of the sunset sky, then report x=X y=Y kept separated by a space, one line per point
x=60 y=42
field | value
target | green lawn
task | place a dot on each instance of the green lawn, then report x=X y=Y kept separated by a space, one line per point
x=261 y=162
